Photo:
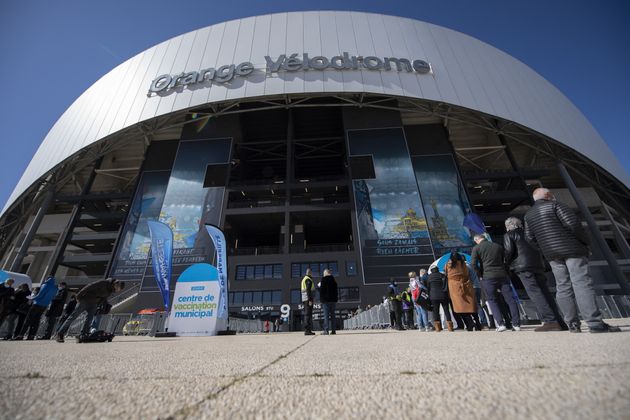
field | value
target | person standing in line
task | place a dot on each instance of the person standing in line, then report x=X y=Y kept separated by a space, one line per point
x=392 y=291
x=461 y=291
x=89 y=298
x=328 y=296
x=55 y=310
x=19 y=306
x=415 y=286
x=439 y=297
x=6 y=299
x=488 y=259
x=67 y=311
x=555 y=229
x=481 y=314
x=407 y=306
x=40 y=302
x=307 y=289
x=528 y=265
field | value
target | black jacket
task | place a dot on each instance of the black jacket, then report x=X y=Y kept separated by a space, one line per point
x=488 y=259
x=519 y=254
x=20 y=299
x=96 y=292
x=6 y=295
x=556 y=230
x=328 y=290
x=437 y=286
x=56 y=305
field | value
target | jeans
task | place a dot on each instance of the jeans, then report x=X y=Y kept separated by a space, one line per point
x=89 y=308
x=329 y=316
x=308 y=317
x=536 y=287
x=421 y=316
x=574 y=290
x=31 y=325
x=10 y=319
x=492 y=287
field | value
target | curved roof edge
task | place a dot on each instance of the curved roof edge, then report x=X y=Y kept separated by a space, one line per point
x=464 y=71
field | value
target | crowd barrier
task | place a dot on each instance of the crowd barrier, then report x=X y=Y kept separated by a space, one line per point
x=611 y=306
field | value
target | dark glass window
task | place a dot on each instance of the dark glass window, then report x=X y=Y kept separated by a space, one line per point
x=268 y=271
x=276 y=297
x=351 y=268
x=240 y=272
x=250 y=272
x=257 y=298
x=298 y=270
x=349 y=294
x=238 y=298
x=277 y=271
x=296 y=296
x=247 y=298
x=260 y=272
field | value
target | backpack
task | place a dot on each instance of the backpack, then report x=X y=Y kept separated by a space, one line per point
x=423 y=300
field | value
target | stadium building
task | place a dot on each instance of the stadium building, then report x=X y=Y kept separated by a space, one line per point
x=353 y=141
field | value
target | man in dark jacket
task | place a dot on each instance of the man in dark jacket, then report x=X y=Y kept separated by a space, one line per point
x=67 y=311
x=55 y=310
x=438 y=293
x=6 y=295
x=527 y=263
x=307 y=289
x=18 y=308
x=328 y=297
x=487 y=258
x=555 y=229
x=88 y=300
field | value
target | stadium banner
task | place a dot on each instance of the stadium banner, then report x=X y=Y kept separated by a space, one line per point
x=218 y=239
x=196 y=302
x=393 y=232
x=162 y=257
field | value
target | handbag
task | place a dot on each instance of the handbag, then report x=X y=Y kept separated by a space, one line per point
x=423 y=300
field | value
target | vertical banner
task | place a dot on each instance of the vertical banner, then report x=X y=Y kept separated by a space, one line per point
x=393 y=232
x=162 y=256
x=218 y=239
x=445 y=202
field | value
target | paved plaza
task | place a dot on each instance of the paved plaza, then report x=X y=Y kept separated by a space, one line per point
x=360 y=374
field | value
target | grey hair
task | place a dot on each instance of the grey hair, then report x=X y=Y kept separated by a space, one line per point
x=540 y=193
x=513 y=223
x=479 y=236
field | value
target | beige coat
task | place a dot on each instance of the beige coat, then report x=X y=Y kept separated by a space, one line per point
x=460 y=288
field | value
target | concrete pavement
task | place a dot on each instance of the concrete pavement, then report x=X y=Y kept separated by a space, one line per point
x=363 y=374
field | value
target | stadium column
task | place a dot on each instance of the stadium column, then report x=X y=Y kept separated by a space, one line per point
x=597 y=234
x=287 y=183
x=32 y=230
x=515 y=167
x=66 y=234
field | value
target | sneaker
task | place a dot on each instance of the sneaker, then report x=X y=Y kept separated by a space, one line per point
x=309 y=333
x=603 y=328
x=548 y=326
x=59 y=338
x=501 y=328
x=333 y=333
x=30 y=338
x=427 y=329
x=574 y=327
x=516 y=328
x=324 y=333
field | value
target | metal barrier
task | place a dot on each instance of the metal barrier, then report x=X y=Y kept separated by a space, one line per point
x=377 y=317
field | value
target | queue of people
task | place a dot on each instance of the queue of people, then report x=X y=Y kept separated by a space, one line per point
x=551 y=230
x=49 y=301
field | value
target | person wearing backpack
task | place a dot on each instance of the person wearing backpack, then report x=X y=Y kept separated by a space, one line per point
x=416 y=287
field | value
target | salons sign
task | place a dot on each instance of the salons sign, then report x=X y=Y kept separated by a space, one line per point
x=284 y=63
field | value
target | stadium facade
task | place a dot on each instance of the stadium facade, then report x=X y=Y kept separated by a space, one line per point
x=353 y=141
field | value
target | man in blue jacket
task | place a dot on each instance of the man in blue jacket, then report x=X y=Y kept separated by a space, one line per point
x=47 y=292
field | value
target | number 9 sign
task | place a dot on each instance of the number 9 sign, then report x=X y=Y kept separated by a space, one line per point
x=285 y=310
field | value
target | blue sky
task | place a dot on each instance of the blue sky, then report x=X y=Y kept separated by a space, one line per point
x=51 y=51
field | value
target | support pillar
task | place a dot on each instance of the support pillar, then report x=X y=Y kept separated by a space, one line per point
x=32 y=230
x=66 y=234
x=599 y=238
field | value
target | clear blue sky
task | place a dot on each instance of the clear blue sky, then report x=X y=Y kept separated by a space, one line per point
x=51 y=51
